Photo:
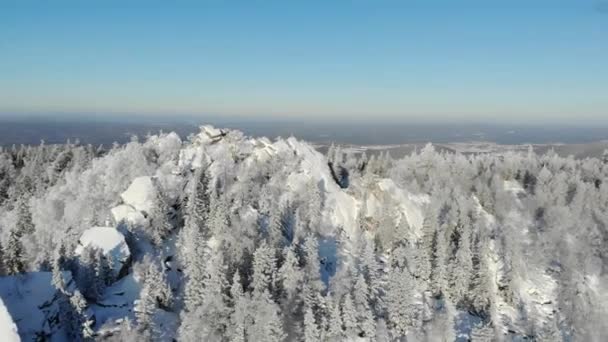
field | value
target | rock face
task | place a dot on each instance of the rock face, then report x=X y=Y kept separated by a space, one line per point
x=110 y=241
x=141 y=194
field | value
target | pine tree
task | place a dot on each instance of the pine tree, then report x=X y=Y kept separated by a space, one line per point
x=68 y=317
x=365 y=316
x=81 y=319
x=267 y=324
x=289 y=274
x=334 y=326
x=312 y=271
x=2 y=267
x=314 y=205
x=25 y=226
x=403 y=315
x=86 y=278
x=57 y=277
x=145 y=307
x=426 y=249
x=349 y=317
x=264 y=270
x=371 y=268
x=195 y=273
x=275 y=227
x=311 y=330
x=238 y=316
x=461 y=266
x=159 y=220
x=14 y=254
x=439 y=271
x=159 y=287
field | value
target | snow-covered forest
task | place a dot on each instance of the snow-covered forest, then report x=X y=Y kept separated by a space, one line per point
x=223 y=237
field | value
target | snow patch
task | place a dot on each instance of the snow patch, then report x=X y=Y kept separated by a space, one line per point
x=8 y=328
x=141 y=194
x=410 y=204
x=128 y=214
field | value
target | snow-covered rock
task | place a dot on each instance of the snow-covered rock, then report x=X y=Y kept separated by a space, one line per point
x=209 y=135
x=141 y=194
x=128 y=214
x=8 y=328
x=110 y=241
x=410 y=204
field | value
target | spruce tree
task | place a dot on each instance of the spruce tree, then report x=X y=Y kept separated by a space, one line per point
x=15 y=263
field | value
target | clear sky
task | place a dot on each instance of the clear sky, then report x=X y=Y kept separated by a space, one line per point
x=488 y=61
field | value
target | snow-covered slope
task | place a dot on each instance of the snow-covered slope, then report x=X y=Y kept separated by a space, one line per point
x=141 y=194
x=243 y=193
x=8 y=328
x=128 y=214
x=32 y=302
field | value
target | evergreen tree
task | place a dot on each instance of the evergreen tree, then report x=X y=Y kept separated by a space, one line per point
x=312 y=268
x=159 y=219
x=238 y=316
x=290 y=274
x=403 y=314
x=365 y=316
x=81 y=323
x=334 y=325
x=2 y=267
x=311 y=330
x=264 y=270
x=349 y=317
x=25 y=226
x=15 y=263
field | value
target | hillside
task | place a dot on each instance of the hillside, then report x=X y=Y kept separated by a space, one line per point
x=224 y=237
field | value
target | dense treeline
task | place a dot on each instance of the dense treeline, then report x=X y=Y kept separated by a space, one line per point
x=511 y=246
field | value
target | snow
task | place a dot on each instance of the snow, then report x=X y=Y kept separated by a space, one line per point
x=8 y=328
x=209 y=135
x=31 y=300
x=128 y=214
x=110 y=241
x=167 y=142
x=410 y=204
x=264 y=148
x=141 y=194
x=340 y=208
x=117 y=303
x=192 y=157
x=513 y=186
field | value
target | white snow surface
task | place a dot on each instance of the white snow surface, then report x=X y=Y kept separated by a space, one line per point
x=141 y=194
x=410 y=204
x=8 y=328
x=128 y=214
x=340 y=208
x=110 y=241
x=31 y=300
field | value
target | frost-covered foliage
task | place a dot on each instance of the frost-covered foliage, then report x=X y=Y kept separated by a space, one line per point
x=230 y=238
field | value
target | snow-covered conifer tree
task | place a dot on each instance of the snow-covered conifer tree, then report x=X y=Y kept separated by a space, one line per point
x=311 y=330
x=14 y=259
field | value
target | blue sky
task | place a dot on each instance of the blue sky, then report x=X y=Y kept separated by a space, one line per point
x=485 y=61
